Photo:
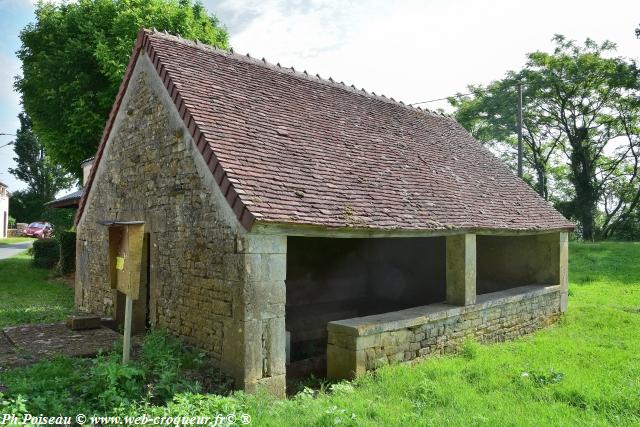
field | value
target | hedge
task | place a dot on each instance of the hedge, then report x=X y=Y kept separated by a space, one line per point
x=46 y=253
x=67 y=262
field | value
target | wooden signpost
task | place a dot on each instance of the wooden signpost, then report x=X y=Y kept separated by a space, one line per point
x=126 y=241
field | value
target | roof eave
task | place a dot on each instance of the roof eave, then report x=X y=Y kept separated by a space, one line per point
x=318 y=230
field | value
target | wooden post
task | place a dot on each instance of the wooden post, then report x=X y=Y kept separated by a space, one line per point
x=128 y=314
x=520 y=130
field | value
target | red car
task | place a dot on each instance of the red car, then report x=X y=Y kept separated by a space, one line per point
x=40 y=230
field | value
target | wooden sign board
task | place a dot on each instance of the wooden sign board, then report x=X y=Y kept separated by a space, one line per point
x=125 y=257
x=126 y=243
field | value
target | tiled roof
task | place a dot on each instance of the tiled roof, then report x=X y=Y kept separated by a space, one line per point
x=67 y=201
x=290 y=148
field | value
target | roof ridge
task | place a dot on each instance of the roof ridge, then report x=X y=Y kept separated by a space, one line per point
x=292 y=71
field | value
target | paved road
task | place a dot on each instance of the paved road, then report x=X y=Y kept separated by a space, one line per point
x=7 y=251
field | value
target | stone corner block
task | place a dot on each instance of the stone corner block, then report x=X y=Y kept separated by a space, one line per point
x=564 y=301
x=267 y=267
x=343 y=363
x=262 y=244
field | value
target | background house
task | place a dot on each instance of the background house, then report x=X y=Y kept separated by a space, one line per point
x=72 y=200
x=4 y=210
x=294 y=224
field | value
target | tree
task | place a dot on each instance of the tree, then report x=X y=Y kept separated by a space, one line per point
x=490 y=115
x=27 y=207
x=74 y=57
x=622 y=196
x=34 y=167
x=577 y=101
x=44 y=179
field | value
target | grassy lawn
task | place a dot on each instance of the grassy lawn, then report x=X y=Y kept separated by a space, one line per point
x=28 y=296
x=585 y=370
x=11 y=240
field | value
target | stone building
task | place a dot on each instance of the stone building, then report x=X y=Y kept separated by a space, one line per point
x=295 y=224
x=4 y=210
x=72 y=200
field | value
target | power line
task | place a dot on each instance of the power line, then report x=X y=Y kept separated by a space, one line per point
x=514 y=84
x=458 y=95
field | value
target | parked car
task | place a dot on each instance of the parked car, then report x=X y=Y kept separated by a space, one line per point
x=39 y=230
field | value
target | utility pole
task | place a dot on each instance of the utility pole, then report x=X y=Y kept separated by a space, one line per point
x=520 y=129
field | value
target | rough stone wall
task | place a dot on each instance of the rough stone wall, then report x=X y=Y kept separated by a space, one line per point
x=211 y=283
x=149 y=173
x=349 y=353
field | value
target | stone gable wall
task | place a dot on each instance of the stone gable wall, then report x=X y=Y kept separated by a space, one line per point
x=149 y=173
x=211 y=283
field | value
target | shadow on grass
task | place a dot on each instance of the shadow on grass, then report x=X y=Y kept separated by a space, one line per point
x=28 y=296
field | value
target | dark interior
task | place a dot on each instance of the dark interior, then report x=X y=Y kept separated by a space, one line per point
x=505 y=262
x=335 y=279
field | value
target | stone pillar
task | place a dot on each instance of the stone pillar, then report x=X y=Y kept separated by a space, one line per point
x=564 y=271
x=550 y=259
x=461 y=269
x=255 y=347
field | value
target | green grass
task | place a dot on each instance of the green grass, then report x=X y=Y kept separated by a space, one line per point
x=12 y=240
x=27 y=295
x=585 y=370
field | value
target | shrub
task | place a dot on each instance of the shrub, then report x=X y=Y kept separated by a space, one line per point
x=46 y=253
x=12 y=222
x=164 y=368
x=165 y=359
x=67 y=240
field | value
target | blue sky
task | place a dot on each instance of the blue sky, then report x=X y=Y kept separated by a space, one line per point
x=14 y=15
x=411 y=50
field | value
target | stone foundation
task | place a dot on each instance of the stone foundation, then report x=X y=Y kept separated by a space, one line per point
x=362 y=344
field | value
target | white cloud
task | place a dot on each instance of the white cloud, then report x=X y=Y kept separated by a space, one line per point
x=413 y=49
x=25 y=3
x=408 y=49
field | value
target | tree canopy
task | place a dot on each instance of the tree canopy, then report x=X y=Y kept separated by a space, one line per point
x=33 y=166
x=580 y=126
x=74 y=56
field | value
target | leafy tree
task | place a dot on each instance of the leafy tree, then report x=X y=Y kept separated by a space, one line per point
x=579 y=103
x=490 y=115
x=34 y=167
x=622 y=195
x=74 y=57
x=26 y=206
